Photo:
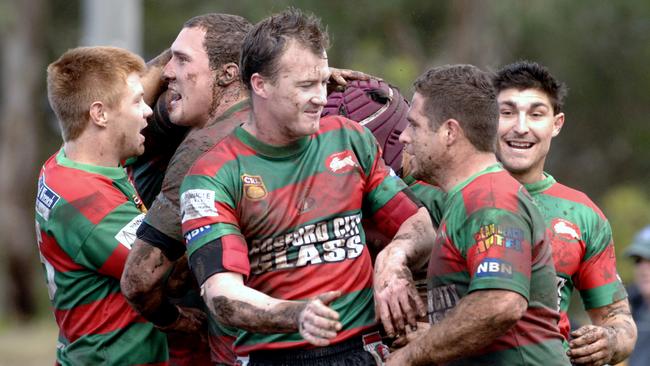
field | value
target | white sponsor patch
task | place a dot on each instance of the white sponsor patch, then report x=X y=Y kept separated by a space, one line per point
x=197 y=203
x=46 y=198
x=127 y=235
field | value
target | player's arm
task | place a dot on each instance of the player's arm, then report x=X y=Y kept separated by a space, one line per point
x=396 y=299
x=476 y=321
x=144 y=284
x=609 y=340
x=235 y=304
x=152 y=80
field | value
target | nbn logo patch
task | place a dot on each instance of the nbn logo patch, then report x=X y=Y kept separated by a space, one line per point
x=494 y=267
x=197 y=233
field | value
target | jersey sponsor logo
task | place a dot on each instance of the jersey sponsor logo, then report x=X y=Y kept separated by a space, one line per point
x=328 y=241
x=254 y=188
x=127 y=235
x=494 y=267
x=491 y=235
x=341 y=162
x=565 y=230
x=440 y=300
x=197 y=233
x=46 y=198
x=197 y=203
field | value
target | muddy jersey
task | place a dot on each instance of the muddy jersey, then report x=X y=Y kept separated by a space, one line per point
x=86 y=218
x=432 y=197
x=288 y=219
x=492 y=237
x=583 y=249
x=162 y=224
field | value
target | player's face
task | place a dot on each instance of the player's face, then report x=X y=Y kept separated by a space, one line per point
x=526 y=126
x=423 y=145
x=299 y=92
x=190 y=80
x=129 y=119
x=642 y=276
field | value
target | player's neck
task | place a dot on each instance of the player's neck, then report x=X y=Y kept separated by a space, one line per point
x=530 y=176
x=227 y=97
x=464 y=166
x=91 y=151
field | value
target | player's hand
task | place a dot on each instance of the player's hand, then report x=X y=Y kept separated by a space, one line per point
x=340 y=77
x=411 y=335
x=317 y=322
x=189 y=320
x=397 y=358
x=592 y=345
x=396 y=300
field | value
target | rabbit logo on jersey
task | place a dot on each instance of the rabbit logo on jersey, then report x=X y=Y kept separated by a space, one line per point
x=341 y=162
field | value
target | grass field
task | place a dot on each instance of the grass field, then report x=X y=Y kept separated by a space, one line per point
x=28 y=344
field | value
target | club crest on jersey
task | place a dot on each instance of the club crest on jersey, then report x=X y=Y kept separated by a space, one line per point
x=565 y=230
x=46 y=198
x=254 y=188
x=341 y=162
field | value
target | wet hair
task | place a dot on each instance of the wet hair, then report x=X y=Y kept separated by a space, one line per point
x=531 y=75
x=84 y=75
x=464 y=93
x=224 y=36
x=267 y=41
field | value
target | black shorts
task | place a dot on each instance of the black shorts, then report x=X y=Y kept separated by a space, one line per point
x=365 y=350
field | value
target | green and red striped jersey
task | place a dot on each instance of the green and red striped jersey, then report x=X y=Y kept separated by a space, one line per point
x=288 y=219
x=492 y=237
x=163 y=221
x=432 y=197
x=86 y=218
x=583 y=249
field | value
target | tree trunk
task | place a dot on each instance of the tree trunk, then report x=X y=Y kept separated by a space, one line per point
x=22 y=77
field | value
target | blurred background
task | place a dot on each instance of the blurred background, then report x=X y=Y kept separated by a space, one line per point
x=600 y=48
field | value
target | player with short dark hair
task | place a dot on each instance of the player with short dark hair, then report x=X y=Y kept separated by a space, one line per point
x=530 y=110
x=272 y=214
x=491 y=287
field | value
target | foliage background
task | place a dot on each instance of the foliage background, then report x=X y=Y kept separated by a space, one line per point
x=600 y=48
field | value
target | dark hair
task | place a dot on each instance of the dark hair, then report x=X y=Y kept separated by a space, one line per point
x=266 y=42
x=531 y=75
x=224 y=36
x=464 y=93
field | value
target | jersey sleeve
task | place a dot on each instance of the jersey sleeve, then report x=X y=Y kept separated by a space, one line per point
x=497 y=245
x=107 y=246
x=211 y=226
x=387 y=200
x=597 y=278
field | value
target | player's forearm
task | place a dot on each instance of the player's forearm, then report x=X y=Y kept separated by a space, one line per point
x=152 y=81
x=413 y=241
x=478 y=319
x=234 y=304
x=143 y=282
x=618 y=321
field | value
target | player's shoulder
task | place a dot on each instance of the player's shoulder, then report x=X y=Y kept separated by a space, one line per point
x=494 y=189
x=90 y=194
x=574 y=196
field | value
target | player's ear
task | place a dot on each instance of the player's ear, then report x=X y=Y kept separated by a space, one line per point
x=98 y=114
x=259 y=85
x=558 y=122
x=228 y=73
x=452 y=131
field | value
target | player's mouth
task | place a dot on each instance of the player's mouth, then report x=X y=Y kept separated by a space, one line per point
x=520 y=145
x=174 y=97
